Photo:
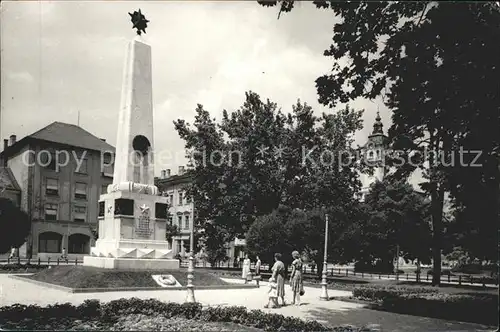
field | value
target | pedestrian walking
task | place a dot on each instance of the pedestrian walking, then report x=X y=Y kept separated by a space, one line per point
x=279 y=272
x=296 y=281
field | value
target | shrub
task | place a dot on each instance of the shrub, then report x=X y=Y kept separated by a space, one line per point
x=63 y=316
x=475 y=268
x=379 y=293
x=21 y=267
x=474 y=307
x=443 y=272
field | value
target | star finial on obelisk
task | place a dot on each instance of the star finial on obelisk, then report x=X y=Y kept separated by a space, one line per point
x=139 y=22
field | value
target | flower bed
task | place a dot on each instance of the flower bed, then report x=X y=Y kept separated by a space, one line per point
x=425 y=301
x=132 y=314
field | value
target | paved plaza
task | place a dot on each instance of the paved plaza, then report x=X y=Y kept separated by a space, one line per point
x=332 y=313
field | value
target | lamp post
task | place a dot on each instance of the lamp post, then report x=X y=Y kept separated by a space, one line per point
x=190 y=287
x=324 y=284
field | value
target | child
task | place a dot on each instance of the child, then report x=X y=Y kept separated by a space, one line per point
x=272 y=294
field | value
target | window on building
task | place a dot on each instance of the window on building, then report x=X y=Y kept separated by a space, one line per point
x=104 y=189
x=80 y=190
x=52 y=187
x=370 y=154
x=378 y=154
x=179 y=221
x=78 y=244
x=81 y=166
x=51 y=212
x=48 y=160
x=186 y=222
x=107 y=164
x=171 y=199
x=188 y=199
x=49 y=242
x=180 y=197
x=171 y=220
x=80 y=213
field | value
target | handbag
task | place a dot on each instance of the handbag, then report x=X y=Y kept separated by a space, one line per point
x=302 y=291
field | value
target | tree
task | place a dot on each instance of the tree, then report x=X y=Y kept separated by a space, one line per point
x=215 y=239
x=397 y=216
x=285 y=230
x=269 y=234
x=437 y=82
x=171 y=231
x=15 y=225
x=258 y=158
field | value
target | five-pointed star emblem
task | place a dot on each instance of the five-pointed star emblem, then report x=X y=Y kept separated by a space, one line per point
x=262 y=150
x=144 y=208
x=139 y=21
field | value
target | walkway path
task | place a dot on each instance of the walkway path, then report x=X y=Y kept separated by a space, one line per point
x=333 y=313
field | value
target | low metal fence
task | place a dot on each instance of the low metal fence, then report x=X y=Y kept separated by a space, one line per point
x=39 y=261
x=332 y=272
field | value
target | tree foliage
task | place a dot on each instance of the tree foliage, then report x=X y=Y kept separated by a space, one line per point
x=15 y=225
x=437 y=78
x=258 y=158
x=397 y=216
x=285 y=230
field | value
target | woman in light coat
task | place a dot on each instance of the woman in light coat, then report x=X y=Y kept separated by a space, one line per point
x=246 y=268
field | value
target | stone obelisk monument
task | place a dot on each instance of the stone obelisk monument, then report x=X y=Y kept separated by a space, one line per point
x=132 y=217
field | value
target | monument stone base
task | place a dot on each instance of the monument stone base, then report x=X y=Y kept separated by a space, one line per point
x=131 y=263
x=132 y=230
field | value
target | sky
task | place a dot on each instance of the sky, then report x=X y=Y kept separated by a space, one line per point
x=63 y=58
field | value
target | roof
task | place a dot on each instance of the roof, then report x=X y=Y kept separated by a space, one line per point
x=70 y=134
x=173 y=180
x=7 y=180
x=62 y=133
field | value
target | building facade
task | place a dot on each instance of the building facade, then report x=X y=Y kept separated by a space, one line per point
x=181 y=206
x=182 y=213
x=61 y=171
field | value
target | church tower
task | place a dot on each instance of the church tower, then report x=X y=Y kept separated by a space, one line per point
x=374 y=152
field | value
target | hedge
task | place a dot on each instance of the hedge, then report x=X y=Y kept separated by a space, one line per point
x=33 y=317
x=380 y=293
x=479 y=308
x=19 y=267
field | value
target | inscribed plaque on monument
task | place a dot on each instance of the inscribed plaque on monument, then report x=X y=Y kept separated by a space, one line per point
x=142 y=229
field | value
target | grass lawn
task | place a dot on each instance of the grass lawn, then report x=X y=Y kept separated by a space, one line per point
x=91 y=277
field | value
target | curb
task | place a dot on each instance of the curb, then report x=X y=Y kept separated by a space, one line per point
x=126 y=289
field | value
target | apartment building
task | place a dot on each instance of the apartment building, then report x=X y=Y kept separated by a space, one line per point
x=182 y=212
x=60 y=170
x=181 y=206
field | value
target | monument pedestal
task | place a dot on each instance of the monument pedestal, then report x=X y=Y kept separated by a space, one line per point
x=132 y=230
